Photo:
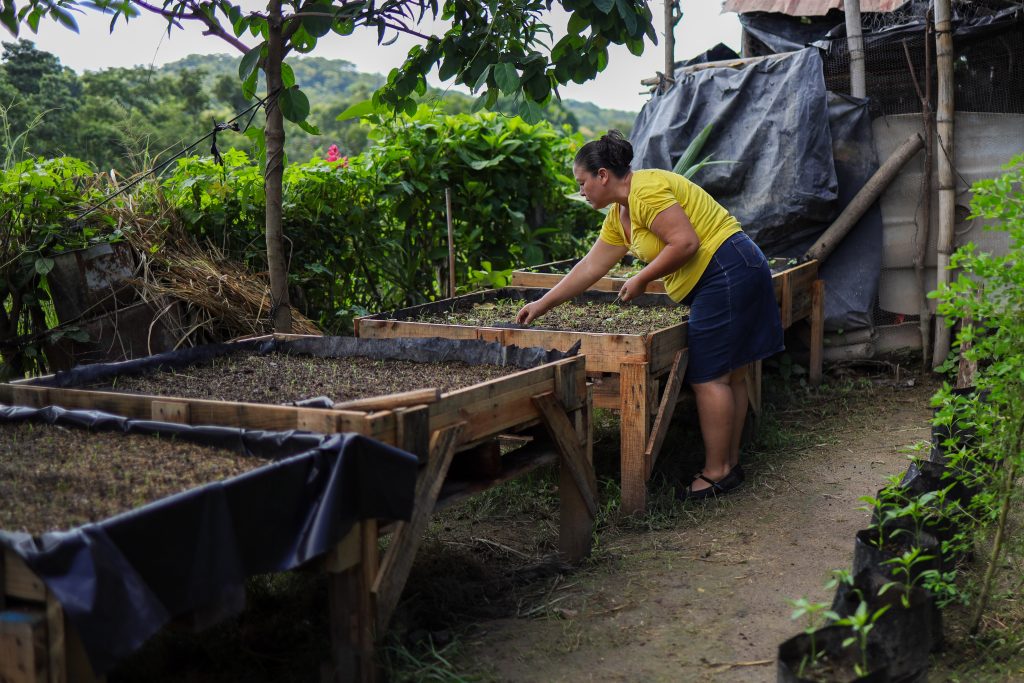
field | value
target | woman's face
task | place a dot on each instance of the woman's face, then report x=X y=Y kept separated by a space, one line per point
x=593 y=186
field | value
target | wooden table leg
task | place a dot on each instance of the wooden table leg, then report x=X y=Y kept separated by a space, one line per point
x=633 y=432
x=817 y=330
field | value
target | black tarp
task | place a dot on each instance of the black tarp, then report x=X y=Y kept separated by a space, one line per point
x=804 y=154
x=427 y=350
x=771 y=119
x=121 y=579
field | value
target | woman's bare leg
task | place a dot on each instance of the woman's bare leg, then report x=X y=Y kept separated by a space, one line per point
x=722 y=409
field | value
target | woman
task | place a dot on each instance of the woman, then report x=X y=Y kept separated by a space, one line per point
x=707 y=263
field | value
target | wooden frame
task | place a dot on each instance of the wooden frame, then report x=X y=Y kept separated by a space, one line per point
x=39 y=645
x=798 y=291
x=628 y=371
x=553 y=400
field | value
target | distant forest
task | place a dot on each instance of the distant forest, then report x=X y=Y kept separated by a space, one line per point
x=131 y=119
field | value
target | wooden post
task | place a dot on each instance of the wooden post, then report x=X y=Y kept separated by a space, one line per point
x=817 y=330
x=634 y=395
x=577 y=481
x=947 y=181
x=451 y=241
x=671 y=19
x=351 y=567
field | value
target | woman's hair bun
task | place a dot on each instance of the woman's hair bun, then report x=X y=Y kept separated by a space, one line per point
x=611 y=151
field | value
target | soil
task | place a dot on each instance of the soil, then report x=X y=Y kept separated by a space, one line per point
x=54 y=477
x=610 y=318
x=280 y=378
x=699 y=592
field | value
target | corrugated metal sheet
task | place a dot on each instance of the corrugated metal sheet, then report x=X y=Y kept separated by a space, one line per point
x=806 y=8
x=982 y=143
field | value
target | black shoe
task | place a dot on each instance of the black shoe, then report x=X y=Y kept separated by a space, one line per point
x=726 y=484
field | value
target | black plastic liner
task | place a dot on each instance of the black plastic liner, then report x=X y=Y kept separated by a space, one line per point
x=120 y=580
x=430 y=350
x=771 y=118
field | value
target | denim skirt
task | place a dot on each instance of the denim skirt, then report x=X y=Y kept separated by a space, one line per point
x=734 y=319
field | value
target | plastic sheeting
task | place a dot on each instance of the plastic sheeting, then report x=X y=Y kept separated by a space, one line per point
x=851 y=272
x=470 y=351
x=121 y=579
x=771 y=120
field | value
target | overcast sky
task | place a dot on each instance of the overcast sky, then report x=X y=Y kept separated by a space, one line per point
x=145 y=41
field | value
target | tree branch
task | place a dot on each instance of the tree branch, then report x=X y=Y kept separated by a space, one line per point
x=213 y=28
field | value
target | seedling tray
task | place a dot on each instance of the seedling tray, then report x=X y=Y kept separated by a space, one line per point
x=546 y=401
x=629 y=371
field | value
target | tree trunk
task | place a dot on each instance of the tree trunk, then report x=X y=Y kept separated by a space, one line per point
x=277 y=262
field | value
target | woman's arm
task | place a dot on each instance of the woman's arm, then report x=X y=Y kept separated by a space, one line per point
x=591 y=268
x=673 y=227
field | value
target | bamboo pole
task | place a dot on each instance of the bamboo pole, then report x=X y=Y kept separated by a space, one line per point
x=947 y=183
x=855 y=45
x=867 y=196
x=451 y=241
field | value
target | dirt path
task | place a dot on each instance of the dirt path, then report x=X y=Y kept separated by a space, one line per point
x=706 y=600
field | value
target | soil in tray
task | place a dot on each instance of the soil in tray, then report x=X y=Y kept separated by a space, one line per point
x=623 y=271
x=591 y=316
x=280 y=378
x=54 y=477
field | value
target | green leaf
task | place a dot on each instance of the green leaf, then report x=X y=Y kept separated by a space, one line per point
x=319 y=26
x=482 y=80
x=250 y=84
x=358 y=110
x=308 y=127
x=44 y=265
x=506 y=77
x=287 y=76
x=604 y=5
x=577 y=23
x=530 y=111
x=294 y=104
x=689 y=157
x=249 y=62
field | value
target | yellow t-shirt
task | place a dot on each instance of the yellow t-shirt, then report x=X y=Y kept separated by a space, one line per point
x=651 y=192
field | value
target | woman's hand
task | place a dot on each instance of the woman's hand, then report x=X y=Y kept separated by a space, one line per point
x=530 y=312
x=632 y=288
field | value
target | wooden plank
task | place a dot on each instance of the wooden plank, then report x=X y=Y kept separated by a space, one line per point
x=171 y=411
x=397 y=562
x=401 y=399
x=413 y=431
x=498 y=405
x=20 y=581
x=664 y=344
x=666 y=409
x=817 y=331
x=561 y=430
x=786 y=304
x=634 y=378
x=200 y=411
x=23 y=646
x=55 y=644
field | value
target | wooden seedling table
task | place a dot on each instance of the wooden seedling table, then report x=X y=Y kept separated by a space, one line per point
x=628 y=370
x=39 y=645
x=550 y=404
x=798 y=291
